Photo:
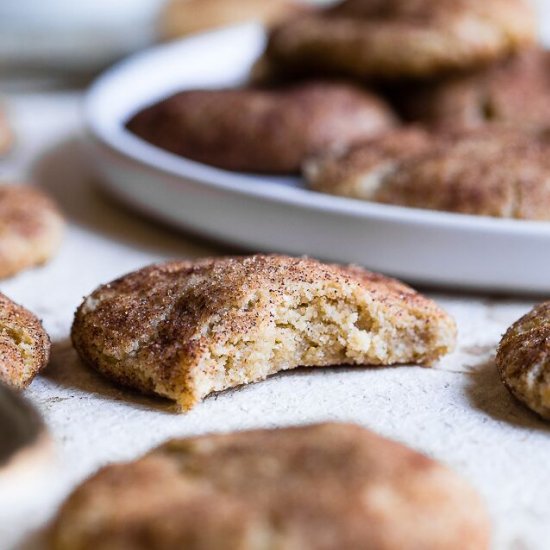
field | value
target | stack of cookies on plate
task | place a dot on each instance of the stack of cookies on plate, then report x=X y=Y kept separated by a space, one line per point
x=435 y=104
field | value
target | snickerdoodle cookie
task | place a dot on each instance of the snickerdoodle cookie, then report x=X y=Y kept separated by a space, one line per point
x=403 y=38
x=515 y=92
x=183 y=17
x=185 y=329
x=321 y=487
x=24 y=345
x=260 y=130
x=523 y=360
x=491 y=171
x=31 y=228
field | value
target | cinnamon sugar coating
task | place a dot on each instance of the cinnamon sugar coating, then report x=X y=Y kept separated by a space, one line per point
x=523 y=360
x=24 y=345
x=31 y=228
x=184 y=330
x=514 y=92
x=492 y=171
x=260 y=130
x=184 y=17
x=321 y=487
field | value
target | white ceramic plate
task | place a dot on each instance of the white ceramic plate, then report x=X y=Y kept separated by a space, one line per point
x=277 y=214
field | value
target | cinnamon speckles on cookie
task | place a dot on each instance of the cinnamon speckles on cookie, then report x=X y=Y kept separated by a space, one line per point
x=491 y=171
x=184 y=330
x=183 y=17
x=262 y=130
x=321 y=487
x=31 y=228
x=6 y=133
x=523 y=360
x=24 y=345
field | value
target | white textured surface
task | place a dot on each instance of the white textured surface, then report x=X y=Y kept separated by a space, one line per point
x=458 y=413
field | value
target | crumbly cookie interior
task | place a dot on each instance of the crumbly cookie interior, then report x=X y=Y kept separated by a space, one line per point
x=310 y=326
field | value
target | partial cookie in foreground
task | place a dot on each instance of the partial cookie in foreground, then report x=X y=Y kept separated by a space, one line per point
x=515 y=92
x=402 y=38
x=184 y=330
x=261 y=130
x=491 y=171
x=24 y=345
x=183 y=17
x=322 y=487
x=25 y=447
x=31 y=228
x=523 y=360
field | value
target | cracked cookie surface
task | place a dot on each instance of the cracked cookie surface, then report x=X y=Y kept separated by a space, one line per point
x=184 y=330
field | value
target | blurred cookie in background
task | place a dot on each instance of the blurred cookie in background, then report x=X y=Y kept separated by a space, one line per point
x=24 y=345
x=20 y=425
x=59 y=39
x=262 y=130
x=151 y=330
x=6 y=133
x=514 y=92
x=31 y=228
x=321 y=487
x=523 y=360
x=374 y=39
x=492 y=171
x=182 y=17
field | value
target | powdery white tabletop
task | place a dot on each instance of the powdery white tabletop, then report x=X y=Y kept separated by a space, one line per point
x=457 y=412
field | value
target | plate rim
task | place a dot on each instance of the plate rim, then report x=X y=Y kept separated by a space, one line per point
x=149 y=156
